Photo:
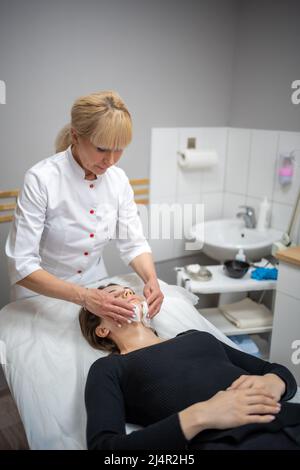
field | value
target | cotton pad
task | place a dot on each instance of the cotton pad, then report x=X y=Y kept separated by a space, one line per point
x=141 y=312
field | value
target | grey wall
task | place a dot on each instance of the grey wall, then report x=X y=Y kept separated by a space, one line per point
x=194 y=63
x=170 y=61
x=266 y=63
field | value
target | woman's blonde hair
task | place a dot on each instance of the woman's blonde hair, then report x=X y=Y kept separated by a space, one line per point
x=102 y=117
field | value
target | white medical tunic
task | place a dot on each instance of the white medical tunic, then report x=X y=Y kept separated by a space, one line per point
x=63 y=221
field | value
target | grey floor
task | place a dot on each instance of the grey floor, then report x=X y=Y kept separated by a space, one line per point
x=12 y=434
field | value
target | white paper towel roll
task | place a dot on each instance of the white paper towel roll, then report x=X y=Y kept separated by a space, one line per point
x=194 y=159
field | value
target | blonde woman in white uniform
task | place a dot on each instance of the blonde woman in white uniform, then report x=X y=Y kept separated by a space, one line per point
x=71 y=205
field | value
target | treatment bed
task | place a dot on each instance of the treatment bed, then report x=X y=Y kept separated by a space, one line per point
x=46 y=359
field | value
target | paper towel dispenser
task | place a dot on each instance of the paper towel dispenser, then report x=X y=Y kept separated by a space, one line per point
x=193 y=159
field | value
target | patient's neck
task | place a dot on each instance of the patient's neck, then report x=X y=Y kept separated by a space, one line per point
x=134 y=336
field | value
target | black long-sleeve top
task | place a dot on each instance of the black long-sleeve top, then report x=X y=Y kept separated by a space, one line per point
x=151 y=385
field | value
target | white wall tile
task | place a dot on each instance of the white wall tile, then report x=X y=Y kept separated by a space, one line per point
x=262 y=163
x=189 y=198
x=191 y=216
x=188 y=182
x=162 y=247
x=206 y=179
x=163 y=163
x=238 y=151
x=247 y=171
x=288 y=141
x=281 y=215
x=231 y=204
x=213 y=205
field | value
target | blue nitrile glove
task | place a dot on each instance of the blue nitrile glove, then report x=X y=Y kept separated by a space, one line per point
x=261 y=274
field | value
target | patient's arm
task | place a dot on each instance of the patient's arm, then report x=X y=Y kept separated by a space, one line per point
x=234 y=408
x=106 y=415
x=271 y=383
x=256 y=366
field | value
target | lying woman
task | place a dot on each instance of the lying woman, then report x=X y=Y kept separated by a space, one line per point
x=188 y=392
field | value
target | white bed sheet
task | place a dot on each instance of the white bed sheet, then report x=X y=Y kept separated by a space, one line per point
x=47 y=359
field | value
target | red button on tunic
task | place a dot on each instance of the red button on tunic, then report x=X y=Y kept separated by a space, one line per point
x=91 y=211
x=79 y=272
x=91 y=185
x=92 y=235
x=85 y=253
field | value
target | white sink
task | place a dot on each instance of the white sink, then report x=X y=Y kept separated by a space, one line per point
x=224 y=237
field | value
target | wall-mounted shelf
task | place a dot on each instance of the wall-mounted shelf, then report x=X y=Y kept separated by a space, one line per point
x=221 y=283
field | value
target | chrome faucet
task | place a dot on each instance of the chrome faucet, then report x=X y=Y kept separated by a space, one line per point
x=248 y=216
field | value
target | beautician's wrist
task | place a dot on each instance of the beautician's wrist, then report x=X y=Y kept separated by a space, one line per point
x=79 y=295
x=152 y=278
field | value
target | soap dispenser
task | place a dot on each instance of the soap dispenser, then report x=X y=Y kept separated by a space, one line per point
x=240 y=256
x=264 y=215
x=286 y=169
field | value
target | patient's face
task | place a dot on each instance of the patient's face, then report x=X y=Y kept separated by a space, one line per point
x=124 y=293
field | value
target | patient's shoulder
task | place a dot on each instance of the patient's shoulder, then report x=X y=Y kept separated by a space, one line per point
x=198 y=332
x=187 y=332
x=107 y=364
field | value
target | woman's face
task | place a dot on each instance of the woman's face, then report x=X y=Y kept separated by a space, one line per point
x=125 y=293
x=120 y=292
x=95 y=159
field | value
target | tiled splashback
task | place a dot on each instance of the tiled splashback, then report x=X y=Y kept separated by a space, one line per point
x=246 y=172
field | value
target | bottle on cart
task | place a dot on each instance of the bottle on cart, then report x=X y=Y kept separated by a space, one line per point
x=240 y=256
x=264 y=215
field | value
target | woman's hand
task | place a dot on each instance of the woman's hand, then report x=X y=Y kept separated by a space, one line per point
x=154 y=297
x=107 y=305
x=269 y=383
x=228 y=409
x=233 y=408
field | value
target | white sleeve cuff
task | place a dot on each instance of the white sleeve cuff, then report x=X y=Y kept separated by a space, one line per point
x=22 y=272
x=128 y=257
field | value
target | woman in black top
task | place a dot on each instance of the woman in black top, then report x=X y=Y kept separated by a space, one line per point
x=189 y=392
